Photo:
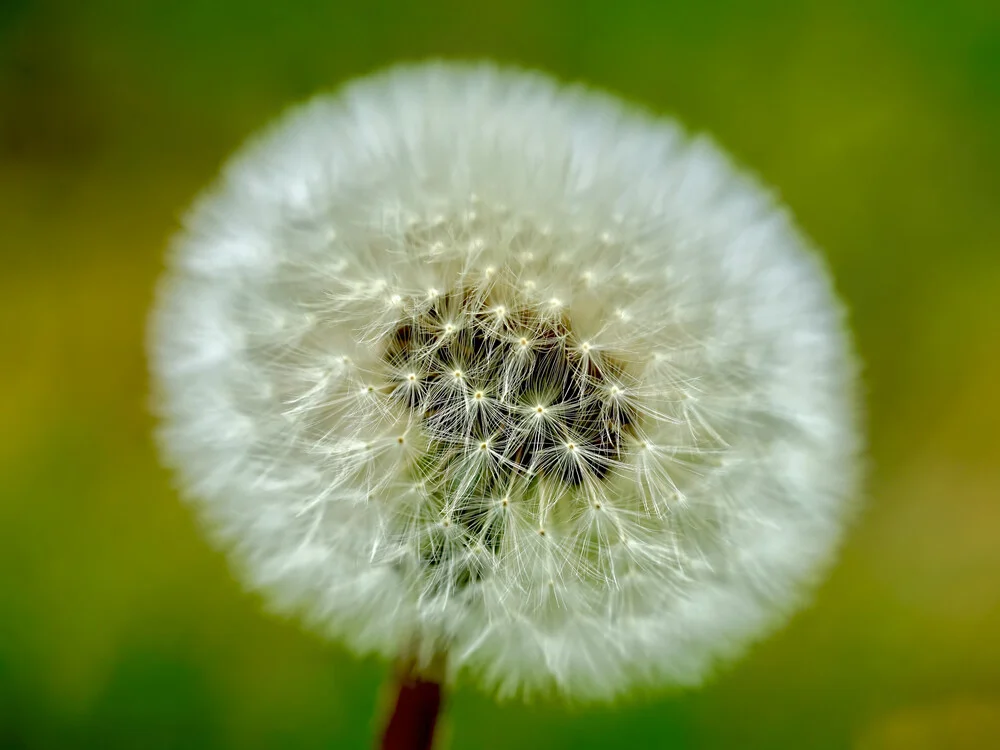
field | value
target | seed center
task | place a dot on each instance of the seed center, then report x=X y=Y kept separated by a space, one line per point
x=555 y=414
x=446 y=369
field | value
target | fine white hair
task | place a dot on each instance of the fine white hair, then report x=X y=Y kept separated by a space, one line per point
x=460 y=360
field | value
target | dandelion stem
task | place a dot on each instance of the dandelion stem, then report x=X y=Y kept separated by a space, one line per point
x=415 y=714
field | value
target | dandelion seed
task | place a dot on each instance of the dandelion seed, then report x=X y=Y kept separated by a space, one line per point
x=494 y=428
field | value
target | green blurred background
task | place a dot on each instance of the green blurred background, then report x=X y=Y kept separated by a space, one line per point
x=877 y=121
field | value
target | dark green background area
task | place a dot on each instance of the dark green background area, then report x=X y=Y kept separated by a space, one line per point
x=877 y=122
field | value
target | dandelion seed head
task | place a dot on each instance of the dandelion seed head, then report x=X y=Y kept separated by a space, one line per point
x=462 y=358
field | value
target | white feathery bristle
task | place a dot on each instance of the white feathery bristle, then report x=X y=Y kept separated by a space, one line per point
x=459 y=360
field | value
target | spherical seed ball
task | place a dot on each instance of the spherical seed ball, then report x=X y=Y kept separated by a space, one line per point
x=459 y=360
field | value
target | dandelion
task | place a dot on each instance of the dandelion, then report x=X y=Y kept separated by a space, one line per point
x=470 y=368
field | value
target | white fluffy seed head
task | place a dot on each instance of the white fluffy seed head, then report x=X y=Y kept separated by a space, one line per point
x=459 y=360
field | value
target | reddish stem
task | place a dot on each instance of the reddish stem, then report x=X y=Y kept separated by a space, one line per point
x=415 y=715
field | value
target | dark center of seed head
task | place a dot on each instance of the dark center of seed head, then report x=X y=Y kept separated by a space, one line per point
x=503 y=399
x=489 y=381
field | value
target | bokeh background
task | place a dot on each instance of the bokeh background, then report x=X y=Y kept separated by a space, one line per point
x=877 y=121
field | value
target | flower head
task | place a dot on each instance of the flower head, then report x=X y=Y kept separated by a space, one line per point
x=461 y=360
